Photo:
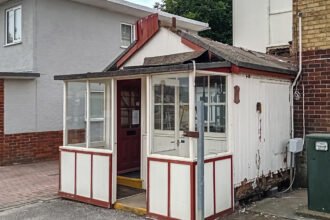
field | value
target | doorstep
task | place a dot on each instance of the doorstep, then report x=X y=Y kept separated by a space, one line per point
x=130 y=182
x=135 y=204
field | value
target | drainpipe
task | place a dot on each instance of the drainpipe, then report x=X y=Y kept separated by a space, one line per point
x=291 y=94
x=298 y=75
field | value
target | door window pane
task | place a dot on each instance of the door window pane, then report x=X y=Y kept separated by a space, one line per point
x=168 y=117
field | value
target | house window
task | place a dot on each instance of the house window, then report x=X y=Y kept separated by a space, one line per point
x=13 y=25
x=212 y=91
x=127 y=35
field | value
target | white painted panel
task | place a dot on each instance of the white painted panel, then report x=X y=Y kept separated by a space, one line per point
x=223 y=185
x=101 y=174
x=67 y=172
x=208 y=189
x=180 y=191
x=254 y=156
x=279 y=33
x=170 y=44
x=280 y=6
x=158 y=188
x=250 y=24
x=83 y=180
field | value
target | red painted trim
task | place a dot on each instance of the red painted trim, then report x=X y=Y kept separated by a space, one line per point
x=91 y=176
x=148 y=185
x=171 y=161
x=192 y=192
x=220 y=70
x=59 y=172
x=86 y=152
x=232 y=185
x=146 y=28
x=85 y=200
x=217 y=159
x=192 y=187
x=169 y=189
x=214 y=192
x=191 y=45
x=75 y=173
x=249 y=71
x=110 y=179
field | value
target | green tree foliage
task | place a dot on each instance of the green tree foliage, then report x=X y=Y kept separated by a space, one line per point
x=218 y=13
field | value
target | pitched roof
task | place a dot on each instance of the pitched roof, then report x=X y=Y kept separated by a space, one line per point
x=172 y=59
x=242 y=57
x=132 y=9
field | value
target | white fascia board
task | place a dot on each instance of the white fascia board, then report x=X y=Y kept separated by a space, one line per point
x=140 y=11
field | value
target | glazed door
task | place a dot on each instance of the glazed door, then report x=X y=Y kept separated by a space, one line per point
x=128 y=126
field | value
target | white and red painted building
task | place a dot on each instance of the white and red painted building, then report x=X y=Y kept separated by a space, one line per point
x=133 y=117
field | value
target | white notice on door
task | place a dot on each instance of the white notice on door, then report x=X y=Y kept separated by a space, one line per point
x=135 y=117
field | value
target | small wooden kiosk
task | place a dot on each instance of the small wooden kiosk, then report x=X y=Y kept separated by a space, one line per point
x=133 y=120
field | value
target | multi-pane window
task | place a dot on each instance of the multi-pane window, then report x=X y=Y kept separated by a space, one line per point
x=97 y=114
x=13 y=25
x=212 y=91
x=127 y=35
x=171 y=95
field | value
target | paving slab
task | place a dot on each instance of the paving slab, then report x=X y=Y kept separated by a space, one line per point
x=28 y=183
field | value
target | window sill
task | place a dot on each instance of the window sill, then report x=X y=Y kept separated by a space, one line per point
x=124 y=47
x=12 y=44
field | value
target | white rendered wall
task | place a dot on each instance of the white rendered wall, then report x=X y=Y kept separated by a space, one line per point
x=165 y=42
x=259 y=140
x=258 y=24
x=19 y=57
x=68 y=38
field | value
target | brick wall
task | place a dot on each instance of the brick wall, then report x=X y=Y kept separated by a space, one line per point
x=316 y=24
x=316 y=72
x=26 y=147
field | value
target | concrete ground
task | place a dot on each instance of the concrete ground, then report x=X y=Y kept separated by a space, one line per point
x=280 y=206
x=30 y=192
x=28 y=183
x=60 y=209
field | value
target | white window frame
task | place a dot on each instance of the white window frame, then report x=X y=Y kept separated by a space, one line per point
x=6 y=26
x=208 y=133
x=132 y=26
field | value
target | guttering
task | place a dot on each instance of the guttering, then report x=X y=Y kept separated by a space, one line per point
x=299 y=73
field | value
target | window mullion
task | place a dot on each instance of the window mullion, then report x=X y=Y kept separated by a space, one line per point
x=88 y=115
x=208 y=104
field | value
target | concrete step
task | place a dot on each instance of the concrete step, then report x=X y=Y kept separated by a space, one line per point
x=135 y=204
x=130 y=182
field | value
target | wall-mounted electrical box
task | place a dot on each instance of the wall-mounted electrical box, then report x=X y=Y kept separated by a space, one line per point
x=296 y=145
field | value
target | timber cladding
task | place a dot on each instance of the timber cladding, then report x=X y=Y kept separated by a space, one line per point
x=26 y=147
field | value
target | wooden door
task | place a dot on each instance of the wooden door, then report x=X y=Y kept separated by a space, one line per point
x=128 y=125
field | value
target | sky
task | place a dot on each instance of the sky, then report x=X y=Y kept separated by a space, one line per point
x=148 y=3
